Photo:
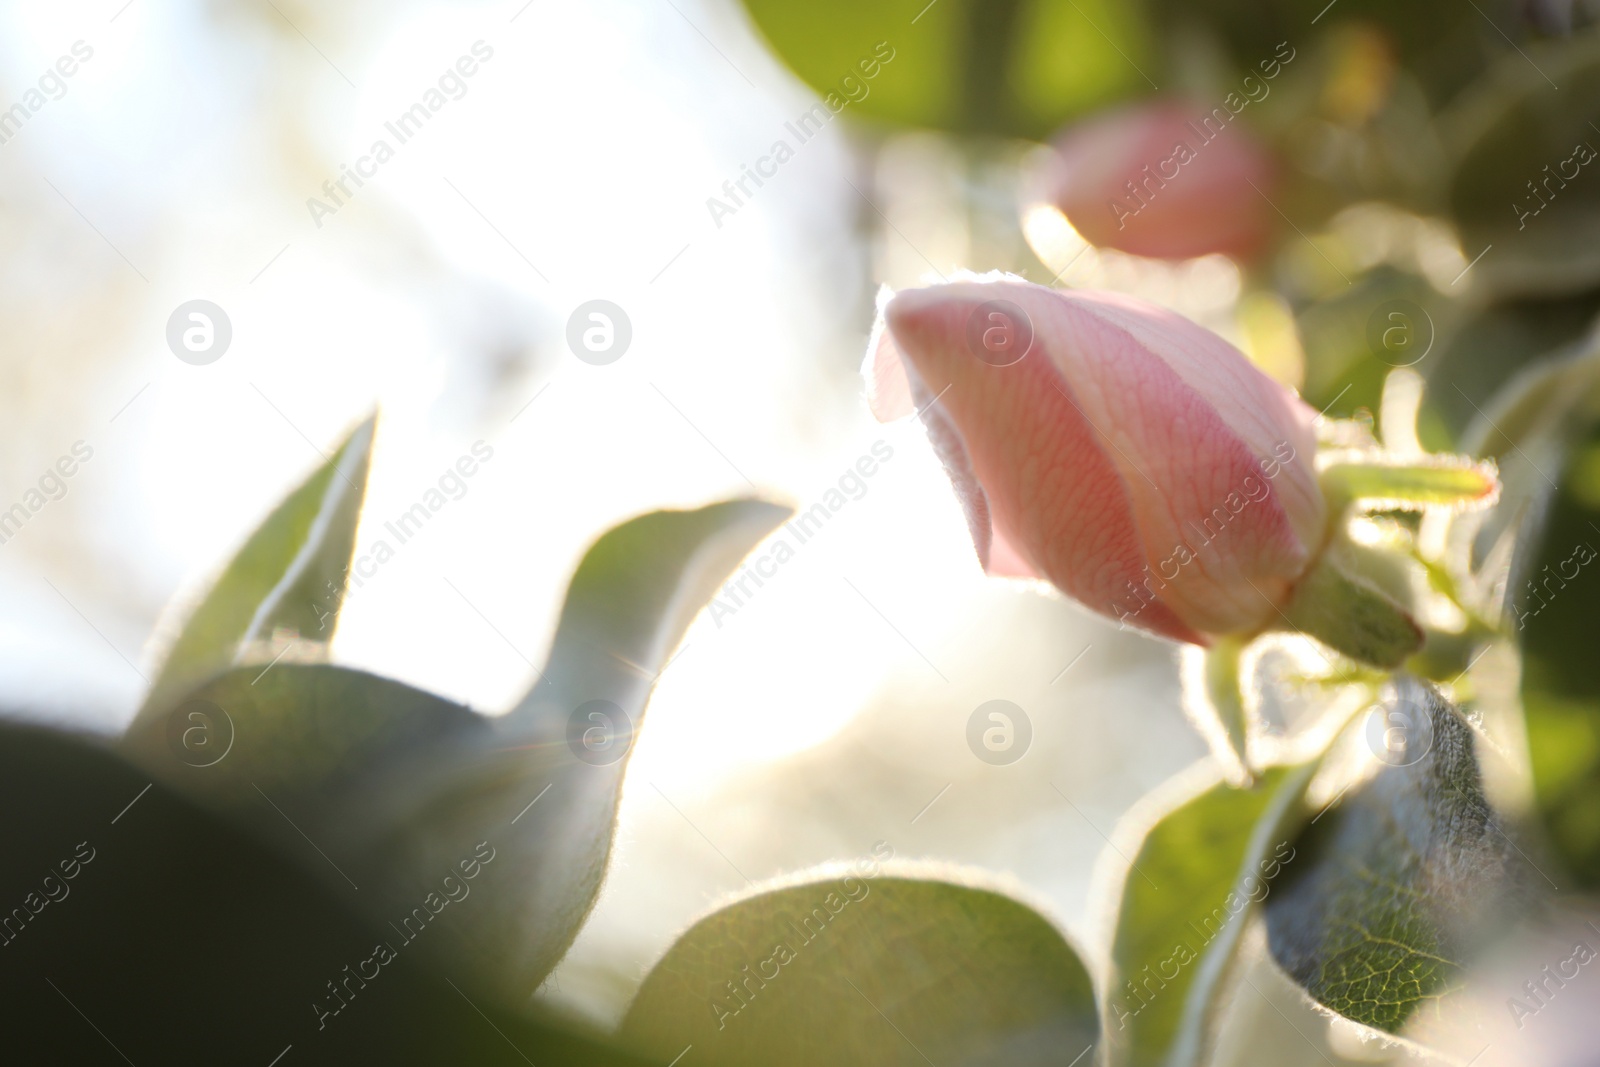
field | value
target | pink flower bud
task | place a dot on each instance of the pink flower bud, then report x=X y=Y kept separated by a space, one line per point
x=1168 y=180
x=1135 y=460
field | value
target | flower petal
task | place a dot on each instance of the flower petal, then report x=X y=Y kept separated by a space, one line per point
x=888 y=386
x=1217 y=536
x=1053 y=493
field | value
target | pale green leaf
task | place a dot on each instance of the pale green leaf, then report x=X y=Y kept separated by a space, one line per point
x=1203 y=853
x=871 y=969
x=289 y=577
x=631 y=600
x=161 y=896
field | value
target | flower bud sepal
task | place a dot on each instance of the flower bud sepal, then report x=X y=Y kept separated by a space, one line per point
x=1351 y=615
x=1409 y=484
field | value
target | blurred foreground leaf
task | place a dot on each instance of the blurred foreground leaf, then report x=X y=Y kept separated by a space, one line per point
x=1399 y=883
x=289 y=575
x=1199 y=868
x=869 y=970
x=151 y=931
x=393 y=794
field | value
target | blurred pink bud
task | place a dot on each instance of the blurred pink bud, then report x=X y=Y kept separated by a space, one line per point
x=1133 y=459
x=1167 y=180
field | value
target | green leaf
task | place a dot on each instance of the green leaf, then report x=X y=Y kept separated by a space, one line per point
x=994 y=67
x=870 y=969
x=1399 y=883
x=288 y=576
x=1346 y=365
x=547 y=778
x=1204 y=855
x=376 y=785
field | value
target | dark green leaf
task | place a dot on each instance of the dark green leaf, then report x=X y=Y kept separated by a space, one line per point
x=1560 y=687
x=872 y=970
x=1482 y=351
x=1398 y=884
x=1518 y=185
x=153 y=929
x=292 y=728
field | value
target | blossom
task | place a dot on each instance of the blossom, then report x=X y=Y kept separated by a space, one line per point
x=1168 y=180
x=1133 y=459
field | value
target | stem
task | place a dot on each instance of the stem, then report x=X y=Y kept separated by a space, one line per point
x=1224 y=693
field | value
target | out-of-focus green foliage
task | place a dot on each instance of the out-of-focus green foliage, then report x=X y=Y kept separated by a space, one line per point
x=869 y=969
x=1444 y=43
x=990 y=67
x=1527 y=169
x=1489 y=345
x=1560 y=688
x=1344 y=370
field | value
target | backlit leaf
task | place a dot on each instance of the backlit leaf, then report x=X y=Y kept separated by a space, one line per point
x=869 y=969
x=387 y=791
x=1203 y=854
x=289 y=576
